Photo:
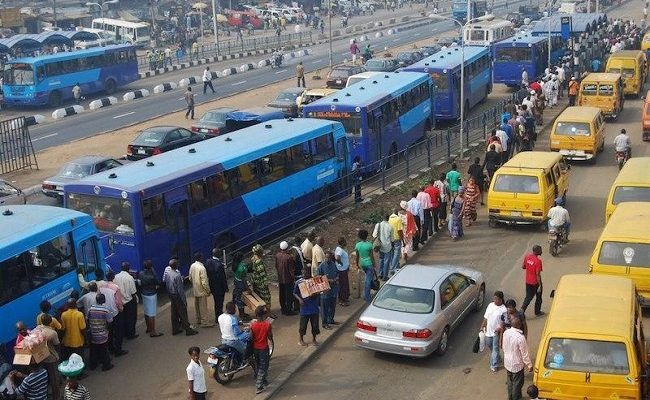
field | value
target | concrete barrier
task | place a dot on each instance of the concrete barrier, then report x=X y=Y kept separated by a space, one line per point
x=378 y=24
x=165 y=87
x=136 y=94
x=307 y=52
x=391 y=21
x=390 y=31
x=67 y=111
x=192 y=80
x=363 y=38
x=263 y=63
x=358 y=28
x=336 y=33
x=370 y=25
x=244 y=68
x=406 y=18
x=29 y=121
x=349 y=29
x=379 y=34
x=103 y=102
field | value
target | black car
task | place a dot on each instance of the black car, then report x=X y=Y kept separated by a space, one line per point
x=382 y=64
x=338 y=76
x=516 y=18
x=429 y=50
x=213 y=122
x=406 y=58
x=159 y=139
x=286 y=101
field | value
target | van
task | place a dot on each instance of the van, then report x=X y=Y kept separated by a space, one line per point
x=578 y=133
x=631 y=64
x=241 y=119
x=592 y=345
x=631 y=184
x=603 y=90
x=523 y=189
x=645 y=44
x=361 y=77
x=645 y=117
x=311 y=95
x=623 y=248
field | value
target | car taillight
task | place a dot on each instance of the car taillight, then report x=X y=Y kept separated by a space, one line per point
x=156 y=151
x=195 y=129
x=417 y=334
x=538 y=213
x=364 y=326
x=47 y=186
x=213 y=131
x=129 y=150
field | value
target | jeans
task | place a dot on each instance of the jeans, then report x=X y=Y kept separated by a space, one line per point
x=426 y=225
x=515 y=382
x=531 y=291
x=240 y=343
x=566 y=226
x=493 y=344
x=262 y=364
x=370 y=274
x=396 y=255
x=385 y=260
x=328 y=303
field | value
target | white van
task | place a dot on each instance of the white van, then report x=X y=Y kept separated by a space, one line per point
x=361 y=76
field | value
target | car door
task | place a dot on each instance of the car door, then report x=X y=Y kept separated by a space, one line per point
x=448 y=306
x=464 y=293
x=172 y=140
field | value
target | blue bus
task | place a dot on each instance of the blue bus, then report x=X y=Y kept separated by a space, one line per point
x=382 y=115
x=512 y=55
x=444 y=69
x=228 y=191
x=49 y=79
x=459 y=9
x=42 y=249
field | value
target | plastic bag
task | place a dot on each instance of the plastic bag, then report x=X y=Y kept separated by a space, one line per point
x=481 y=340
x=75 y=362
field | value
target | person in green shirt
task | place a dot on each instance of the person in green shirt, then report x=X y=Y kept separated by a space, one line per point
x=366 y=262
x=453 y=178
x=241 y=284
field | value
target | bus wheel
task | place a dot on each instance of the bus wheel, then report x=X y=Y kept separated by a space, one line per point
x=54 y=99
x=110 y=86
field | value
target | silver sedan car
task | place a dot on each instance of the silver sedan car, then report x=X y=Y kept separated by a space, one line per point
x=414 y=313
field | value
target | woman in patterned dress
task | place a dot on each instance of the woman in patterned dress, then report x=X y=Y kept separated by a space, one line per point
x=260 y=279
x=472 y=194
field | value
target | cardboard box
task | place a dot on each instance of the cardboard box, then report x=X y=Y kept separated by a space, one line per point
x=311 y=286
x=252 y=300
x=25 y=356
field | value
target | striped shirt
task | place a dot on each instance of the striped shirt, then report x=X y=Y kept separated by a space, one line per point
x=99 y=318
x=34 y=386
x=80 y=394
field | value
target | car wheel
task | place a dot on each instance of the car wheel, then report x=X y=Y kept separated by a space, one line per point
x=480 y=299
x=444 y=342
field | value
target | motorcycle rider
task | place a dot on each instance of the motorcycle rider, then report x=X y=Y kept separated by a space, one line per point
x=622 y=142
x=231 y=333
x=367 y=53
x=558 y=217
x=277 y=58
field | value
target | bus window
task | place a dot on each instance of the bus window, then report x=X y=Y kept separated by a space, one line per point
x=87 y=258
x=109 y=214
x=19 y=74
x=297 y=158
x=589 y=89
x=14 y=281
x=199 y=196
x=440 y=81
x=606 y=89
x=247 y=180
x=218 y=189
x=51 y=260
x=322 y=148
x=153 y=213
x=510 y=54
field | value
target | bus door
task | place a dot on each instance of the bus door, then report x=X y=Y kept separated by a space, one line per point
x=176 y=203
x=376 y=151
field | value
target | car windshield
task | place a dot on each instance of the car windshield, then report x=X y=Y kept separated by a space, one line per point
x=625 y=254
x=516 y=184
x=287 y=96
x=215 y=117
x=75 y=170
x=149 y=138
x=572 y=129
x=405 y=299
x=375 y=64
x=339 y=73
x=624 y=194
x=405 y=56
x=583 y=355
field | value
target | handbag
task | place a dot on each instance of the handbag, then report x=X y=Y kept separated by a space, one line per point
x=376 y=243
x=476 y=346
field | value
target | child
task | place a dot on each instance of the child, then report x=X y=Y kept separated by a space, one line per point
x=533 y=392
x=261 y=332
x=308 y=312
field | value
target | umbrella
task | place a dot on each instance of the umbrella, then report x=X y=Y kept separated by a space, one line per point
x=222 y=18
x=200 y=6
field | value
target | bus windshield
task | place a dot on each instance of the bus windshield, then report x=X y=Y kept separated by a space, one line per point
x=587 y=356
x=509 y=54
x=623 y=194
x=440 y=81
x=625 y=254
x=19 y=74
x=109 y=214
x=142 y=32
x=351 y=124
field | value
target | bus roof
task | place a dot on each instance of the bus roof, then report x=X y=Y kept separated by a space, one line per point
x=369 y=91
x=635 y=171
x=578 y=114
x=520 y=41
x=70 y=55
x=532 y=159
x=581 y=301
x=219 y=153
x=629 y=220
x=20 y=223
x=625 y=54
x=487 y=24
x=448 y=58
x=120 y=22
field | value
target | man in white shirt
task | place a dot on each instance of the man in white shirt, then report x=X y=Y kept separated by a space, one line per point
x=622 y=143
x=207 y=80
x=524 y=78
x=196 y=375
x=515 y=359
x=503 y=138
x=558 y=216
x=231 y=333
x=168 y=56
x=415 y=208
x=126 y=283
x=492 y=327
x=384 y=233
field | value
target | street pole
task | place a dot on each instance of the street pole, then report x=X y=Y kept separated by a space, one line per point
x=462 y=87
x=202 y=33
x=549 y=33
x=329 y=16
x=54 y=12
x=214 y=26
x=469 y=15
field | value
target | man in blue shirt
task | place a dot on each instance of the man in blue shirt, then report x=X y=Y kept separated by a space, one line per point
x=510 y=133
x=328 y=299
x=308 y=312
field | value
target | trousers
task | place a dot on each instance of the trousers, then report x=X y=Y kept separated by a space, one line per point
x=531 y=291
x=515 y=382
x=178 y=313
x=201 y=309
x=286 y=298
x=130 y=317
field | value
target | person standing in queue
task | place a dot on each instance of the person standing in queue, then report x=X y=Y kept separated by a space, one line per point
x=217 y=281
x=357 y=178
x=126 y=283
x=174 y=284
x=149 y=288
x=285 y=268
x=201 y=289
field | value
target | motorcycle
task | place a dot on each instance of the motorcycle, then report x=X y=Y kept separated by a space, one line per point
x=556 y=239
x=344 y=22
x=225 y=361
x=276 y=61
x=621 y=158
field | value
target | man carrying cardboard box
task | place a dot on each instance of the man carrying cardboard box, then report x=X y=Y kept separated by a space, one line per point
x=308 y=311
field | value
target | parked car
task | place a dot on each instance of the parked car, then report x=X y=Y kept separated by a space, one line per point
x=516 y=18
x=159 y=139
x=10 y=194
x=429 y=50
x=448 y=41
x=406 y=58
x=75 y=170
x=286 y=100
x=361 y=77
x=213 y=122
x=381 y=64
x=311 y=95
x=418 y=308
x=338 y=76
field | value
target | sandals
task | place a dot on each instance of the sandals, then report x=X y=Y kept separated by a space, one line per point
x=158 y=334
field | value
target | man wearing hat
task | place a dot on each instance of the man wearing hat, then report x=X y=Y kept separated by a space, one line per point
x=285 y=267
x=573 y=91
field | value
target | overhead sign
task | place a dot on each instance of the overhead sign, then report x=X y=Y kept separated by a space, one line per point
x=565 y=23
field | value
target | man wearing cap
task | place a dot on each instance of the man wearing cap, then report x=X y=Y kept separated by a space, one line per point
x=285 y=265
x=558 y=216
x=573 y=91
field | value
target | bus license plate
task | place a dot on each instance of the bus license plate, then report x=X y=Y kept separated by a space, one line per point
x=141 y=151
x=516 y=214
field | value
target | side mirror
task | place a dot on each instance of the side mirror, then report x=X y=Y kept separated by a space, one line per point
x=552 y=295
x=472 y=281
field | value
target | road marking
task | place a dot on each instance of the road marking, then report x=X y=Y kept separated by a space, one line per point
x=317 y=61
x=45 y=137
x=181 y=98
x=396 y=40
x=123 y=115
x=344 y=54
x=238 y=83
x=416 y=34
x=281 y=71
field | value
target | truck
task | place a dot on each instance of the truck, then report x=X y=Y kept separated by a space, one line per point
x=459 y=9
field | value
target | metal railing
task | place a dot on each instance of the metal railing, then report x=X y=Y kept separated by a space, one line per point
x=226 y=48
x=16 y=148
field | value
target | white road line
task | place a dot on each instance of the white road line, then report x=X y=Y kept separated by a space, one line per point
x=123 y=115
x=317 y=61
x=344 y=54
x=416 y=34
x=45 y=137
x=396 y=40
x=281 y=71
x=181 y=98
x=238 y=83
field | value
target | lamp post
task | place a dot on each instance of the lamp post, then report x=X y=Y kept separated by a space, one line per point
x=329 y=17
x=462 y=69
x=214 y=26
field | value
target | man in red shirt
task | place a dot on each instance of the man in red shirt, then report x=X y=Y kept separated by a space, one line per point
x=261 y=332
x=533 y=266
x=434 y=193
